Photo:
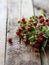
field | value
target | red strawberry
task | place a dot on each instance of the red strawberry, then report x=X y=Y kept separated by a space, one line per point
x=47 y=20
x=36 y=16
x=21 y=35
x=41 y=20
x=39 y=40
x=40 y=33
x=30 y=20
x=37 y=45
x=36 y=50
x=18 y=33
x=23 y=21
x=29 y=28
x=23 y=27
x=10 y=40
x=35 y=23
x=40 y=17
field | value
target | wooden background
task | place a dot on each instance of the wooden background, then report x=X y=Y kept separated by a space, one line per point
x=19 y=54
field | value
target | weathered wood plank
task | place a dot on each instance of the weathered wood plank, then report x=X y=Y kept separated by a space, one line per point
x=45 y=57
x=19 y=54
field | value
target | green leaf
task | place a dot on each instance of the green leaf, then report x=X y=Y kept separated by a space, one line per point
x=45 y=36
x=35 y=19
x=31 y=38
x=47 y=31
x=44 y=28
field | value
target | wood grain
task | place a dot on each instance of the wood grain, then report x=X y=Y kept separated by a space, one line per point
x=19 y=54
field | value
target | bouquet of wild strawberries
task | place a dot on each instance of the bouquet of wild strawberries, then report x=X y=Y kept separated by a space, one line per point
x=34 y=31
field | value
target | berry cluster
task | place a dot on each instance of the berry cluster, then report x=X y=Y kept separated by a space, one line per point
x=34 y=31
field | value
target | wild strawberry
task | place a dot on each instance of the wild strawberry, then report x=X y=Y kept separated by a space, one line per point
x=23 y=21
x=39 y=40
x=29 y=28
x=18 y=33
x=23 y=27
x=35 y=23
x=36 y=50
x=40 y=17
x=47 y=20
x=41 y=20
x=10 y=40
x=40 y=33
x=30 y=20
x=37 y=45
x=36 y=16
x=21 y=35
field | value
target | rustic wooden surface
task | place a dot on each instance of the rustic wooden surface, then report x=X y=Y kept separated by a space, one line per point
x=19 y=54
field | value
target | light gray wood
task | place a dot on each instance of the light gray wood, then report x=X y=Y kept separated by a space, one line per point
x=19 y=54
x=42 y=4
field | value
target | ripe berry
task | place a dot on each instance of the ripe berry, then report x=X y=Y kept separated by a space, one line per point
x=23 y=27
x=39 y=40
x=36 y=50
x=29 y=28
x=23 y=21
x=21 y=35
x=35 y=23
x=40 y=17
x=18 y=33
x=47 y=20
x=36 y=16
x=10 y=40
x=37 y=45
x=40 y=33
x=41 y=20
x=30 y=20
